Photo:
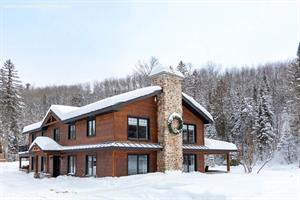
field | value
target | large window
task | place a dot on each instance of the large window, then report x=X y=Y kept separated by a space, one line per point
x=91 y=164
x=137 y=164
x=72 y=132
x=189 y=162
x=43 y=162
x=56 y=134
x=189 y=133
x=71 y=165
x=138 y=128
x=91 y=127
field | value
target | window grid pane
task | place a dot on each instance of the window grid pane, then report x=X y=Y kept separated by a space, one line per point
x=143 y=129
x=143 y=164
x=132 y=128
x=132 y=164
x=138 y=128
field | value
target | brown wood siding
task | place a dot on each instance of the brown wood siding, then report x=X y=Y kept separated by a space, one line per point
x=190 y=118
x=144 y=108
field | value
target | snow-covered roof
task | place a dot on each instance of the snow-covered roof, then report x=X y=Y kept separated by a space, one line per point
x=199 y=108
x=211 y=144
x=219 y=145
x=58 y=110
x=111 y=101
x=48 y=144
x=161 y=69
x=69 y=113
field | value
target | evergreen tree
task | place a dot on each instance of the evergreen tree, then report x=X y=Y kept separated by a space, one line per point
x=265 y=130
x=12 y=106
x=287 y=144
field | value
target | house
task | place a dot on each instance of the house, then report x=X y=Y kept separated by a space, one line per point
x=156 y=128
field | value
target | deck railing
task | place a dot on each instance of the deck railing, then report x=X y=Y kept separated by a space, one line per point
x=23 y=148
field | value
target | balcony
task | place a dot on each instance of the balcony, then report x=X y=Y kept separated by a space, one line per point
x=23 y=148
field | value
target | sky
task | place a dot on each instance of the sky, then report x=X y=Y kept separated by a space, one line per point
x=69 y=42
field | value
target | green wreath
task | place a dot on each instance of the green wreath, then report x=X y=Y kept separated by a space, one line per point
x=175 y=123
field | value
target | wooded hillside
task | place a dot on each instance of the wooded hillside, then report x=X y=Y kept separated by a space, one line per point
x=256 y=108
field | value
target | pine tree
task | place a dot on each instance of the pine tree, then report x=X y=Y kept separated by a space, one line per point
x=243 y=133
x=265 y=130
x=12 y=106
x=287 y=144
x=2 y=84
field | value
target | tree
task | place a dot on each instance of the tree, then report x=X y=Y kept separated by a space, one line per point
x=243 y=133
x=265 y=130
x=12 y=109
x=287 y=144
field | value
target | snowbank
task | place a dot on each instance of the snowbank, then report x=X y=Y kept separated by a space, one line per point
x=270 y=184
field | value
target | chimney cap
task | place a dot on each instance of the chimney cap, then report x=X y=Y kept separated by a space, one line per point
x=165 y=70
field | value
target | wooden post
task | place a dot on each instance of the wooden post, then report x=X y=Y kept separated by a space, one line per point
x=228 y=162
x=47 y=163
x=20 y=162
x=36 y=170
x=113 y=164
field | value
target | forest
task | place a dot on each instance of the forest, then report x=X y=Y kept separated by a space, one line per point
x=255 y=107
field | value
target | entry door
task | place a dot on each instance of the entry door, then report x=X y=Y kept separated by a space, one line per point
x=56 y=166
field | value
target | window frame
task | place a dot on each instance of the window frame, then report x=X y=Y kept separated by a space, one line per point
x=195 y=134
x=69 y=131
x=54 y=134
x=86 y=165
x=69 y=164
x=137 y=165
x=87 y=126
x=190 y=154
x=138 y=121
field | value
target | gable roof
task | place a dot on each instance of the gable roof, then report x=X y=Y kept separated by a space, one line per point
x=112 y=103
x=57 y=111
x=69 y=113
x=45 y=144
x=199 y=110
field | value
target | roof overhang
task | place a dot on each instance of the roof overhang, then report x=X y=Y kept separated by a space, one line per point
x=111 y=109
x=196 y=111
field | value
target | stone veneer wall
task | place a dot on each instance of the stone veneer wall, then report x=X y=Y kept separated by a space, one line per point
x=169 y=101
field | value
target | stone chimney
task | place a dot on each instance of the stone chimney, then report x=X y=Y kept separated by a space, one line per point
x=169 y=102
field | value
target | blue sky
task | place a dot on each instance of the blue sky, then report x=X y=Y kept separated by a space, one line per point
x=65 y=42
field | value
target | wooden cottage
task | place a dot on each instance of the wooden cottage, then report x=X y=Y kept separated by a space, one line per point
x=156 y=128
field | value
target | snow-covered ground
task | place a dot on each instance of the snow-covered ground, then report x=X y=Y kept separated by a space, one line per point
x=273 y=183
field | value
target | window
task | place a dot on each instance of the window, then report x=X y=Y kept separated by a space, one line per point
x=71 y=165
x=32 y=137
x=91 y=127
x=137 y=164
x=43 y=162
x=91 y=164
x=189 y=162
x=72 y=132
x=56 y=134
x=32 y=163
x=189 y=133
x=138 y=128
